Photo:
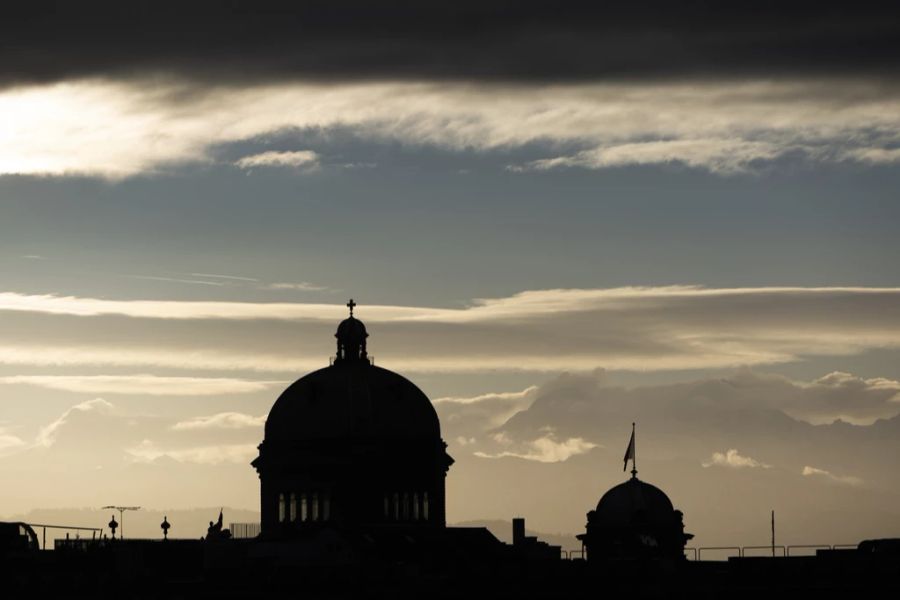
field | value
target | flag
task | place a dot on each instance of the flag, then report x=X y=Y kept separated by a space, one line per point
x=629 y=454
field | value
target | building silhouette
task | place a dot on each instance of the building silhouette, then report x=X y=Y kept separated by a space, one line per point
x=351 y=445
x=634 y=520
x=352 y=474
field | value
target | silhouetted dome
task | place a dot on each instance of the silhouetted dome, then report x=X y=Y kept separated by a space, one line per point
x=631 y=502
x=351 y=399
x=351 y=329
x=351 y=444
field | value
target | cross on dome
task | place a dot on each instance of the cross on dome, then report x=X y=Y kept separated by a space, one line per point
x=351 y=305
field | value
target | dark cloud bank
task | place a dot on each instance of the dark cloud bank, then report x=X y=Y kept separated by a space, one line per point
x=530 y=41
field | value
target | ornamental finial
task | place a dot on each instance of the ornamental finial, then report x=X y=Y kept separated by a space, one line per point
x=351 y=305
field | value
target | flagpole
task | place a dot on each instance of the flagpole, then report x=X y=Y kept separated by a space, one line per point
x=633 y=455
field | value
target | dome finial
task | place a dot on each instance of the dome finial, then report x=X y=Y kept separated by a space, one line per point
x=351 y=338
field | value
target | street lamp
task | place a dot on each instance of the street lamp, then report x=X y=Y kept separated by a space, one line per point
x=122 y=510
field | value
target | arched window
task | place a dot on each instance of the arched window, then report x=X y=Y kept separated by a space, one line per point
x=425 y=506
x=415 y=506
x=293 y=506
x=281 y=508
x=304 y=507
x=396 y=506
x=315 y=507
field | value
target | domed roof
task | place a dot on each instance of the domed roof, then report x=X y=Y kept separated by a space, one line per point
x=351 y=328
x=351 y=399
x=633 y=501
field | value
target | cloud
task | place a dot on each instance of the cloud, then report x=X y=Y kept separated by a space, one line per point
x=300 y=286
x=148 y=451
x=166 y=309
x=741 y=409
x=118 y=129
x=9 y=442
x=307 y=159
x=829 y=476
x=129 y=453
x=470 y=41
x=97 y=434
x=717 y=155
x=56 y=355
x=225 y=420
x=177 y=280
x=145 y=385
x=465 y=417
x=732 y=459
x=546 y=449
x=229 y=277
x=47 y=435
x=525 y=395
x=650 y=328
x=877 y=156
x=746 y=413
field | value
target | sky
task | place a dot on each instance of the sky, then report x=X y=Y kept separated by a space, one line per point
x=556 y=220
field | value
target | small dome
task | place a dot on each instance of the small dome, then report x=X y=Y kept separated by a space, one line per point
x=351 y=400
x=633 y=502
x=353 y=329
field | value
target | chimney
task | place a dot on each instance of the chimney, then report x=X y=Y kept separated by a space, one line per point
x=518 y=524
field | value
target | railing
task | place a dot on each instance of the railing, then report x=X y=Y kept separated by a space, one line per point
x=244 y=531
x=94 y=531
x=809 y=547
x=718 y=549
x=770 y=549
x=784 y=551
x=696 y=553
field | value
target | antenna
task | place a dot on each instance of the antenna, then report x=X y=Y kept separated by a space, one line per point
x=773 y=534
x=122 y=510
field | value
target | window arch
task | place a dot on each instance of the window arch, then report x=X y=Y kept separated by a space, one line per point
x=281 y=508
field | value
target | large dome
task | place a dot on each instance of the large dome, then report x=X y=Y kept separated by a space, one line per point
x=351 y=399
x=351 y=444
x=633 y=501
